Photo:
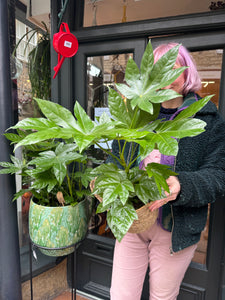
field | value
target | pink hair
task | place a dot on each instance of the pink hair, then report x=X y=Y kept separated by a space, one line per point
x=184 y=58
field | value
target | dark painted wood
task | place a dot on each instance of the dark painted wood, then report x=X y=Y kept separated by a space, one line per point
x=194 y=23
x=9 y=251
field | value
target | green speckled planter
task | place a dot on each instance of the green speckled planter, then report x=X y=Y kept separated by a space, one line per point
x=58 y=227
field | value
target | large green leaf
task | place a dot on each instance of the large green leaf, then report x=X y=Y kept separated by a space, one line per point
x=164 y=142
x=166 y=133
x=160 y=96
x=113 y=183
x=44 y=182
x=193 y=108
x=162 y=77
x=118 y=109
x=57 y=113
x=160 y=173
x=83 y=121
x=164 y=65
x=120 y=218
x=143 y=102
x=13 y=137
x=34 y=123
x=146 y=89
x=132 y=72
x=99 y=132
x=130 y=92
x=58 y=160
x=147 y=63
x=17 y=165
x=146 y=190
x=105 y=168
x=180 y=128
x=140 y=117
x=117 y=190
x=43 y=135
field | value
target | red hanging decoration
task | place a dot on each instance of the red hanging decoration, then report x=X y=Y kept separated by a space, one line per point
x=65 y=44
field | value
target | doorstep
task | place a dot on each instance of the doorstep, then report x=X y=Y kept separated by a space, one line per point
x=66 y=295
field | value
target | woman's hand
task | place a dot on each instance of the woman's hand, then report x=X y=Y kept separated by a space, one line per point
x=174 y=186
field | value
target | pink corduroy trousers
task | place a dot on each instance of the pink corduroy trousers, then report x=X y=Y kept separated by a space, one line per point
x=132 y=257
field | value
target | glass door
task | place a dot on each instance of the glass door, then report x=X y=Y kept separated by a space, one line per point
x=98 y=65
x=102 y=72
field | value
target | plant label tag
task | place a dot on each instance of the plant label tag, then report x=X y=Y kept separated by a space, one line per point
x=67 y=44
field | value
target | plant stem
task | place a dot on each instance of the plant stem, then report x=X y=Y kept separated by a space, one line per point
x=132 y=154
x=69 y=183
x=79 y=182
x=135 y=114
x=108 y=152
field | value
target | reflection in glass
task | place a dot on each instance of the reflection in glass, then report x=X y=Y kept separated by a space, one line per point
x=209 y=65
x=102 y=72
x=102 y=12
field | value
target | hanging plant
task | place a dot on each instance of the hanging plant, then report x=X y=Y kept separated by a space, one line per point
x=39 y=62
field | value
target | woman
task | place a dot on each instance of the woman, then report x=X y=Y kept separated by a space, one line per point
x=169 y=245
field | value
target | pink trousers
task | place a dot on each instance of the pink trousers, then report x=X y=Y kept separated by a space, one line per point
x=131 y=258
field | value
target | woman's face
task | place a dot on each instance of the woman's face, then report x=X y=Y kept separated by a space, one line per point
x=178 y=84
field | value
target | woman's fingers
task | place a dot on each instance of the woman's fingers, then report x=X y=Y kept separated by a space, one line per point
x=174 y=186
x=159 y=203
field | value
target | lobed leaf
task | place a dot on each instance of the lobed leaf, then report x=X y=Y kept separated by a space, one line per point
x=34 y=123
x=193 y=108
x=147 y=63
x=132 y=73
x=57 y=113
x=83 y=120
x=120 y=218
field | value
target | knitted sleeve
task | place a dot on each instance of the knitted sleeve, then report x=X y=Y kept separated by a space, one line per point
x=207 y=182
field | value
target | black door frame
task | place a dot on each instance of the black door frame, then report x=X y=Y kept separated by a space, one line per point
x=202 y=281
x=200 y=24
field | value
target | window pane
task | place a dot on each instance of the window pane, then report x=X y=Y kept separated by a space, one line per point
x=102 y=72
x=209 y=65
x=26 y=108
x=99 y=12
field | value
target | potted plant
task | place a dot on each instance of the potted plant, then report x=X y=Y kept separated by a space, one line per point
x=39 y=61
x=39 y=70
x=121 y=185
x=58 y=178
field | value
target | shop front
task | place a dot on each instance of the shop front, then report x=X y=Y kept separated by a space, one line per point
x=99 y=64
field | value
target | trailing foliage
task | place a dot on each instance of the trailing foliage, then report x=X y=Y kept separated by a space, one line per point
x=39 y=62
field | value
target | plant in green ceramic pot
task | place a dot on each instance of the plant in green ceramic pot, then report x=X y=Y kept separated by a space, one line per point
x=58 y=178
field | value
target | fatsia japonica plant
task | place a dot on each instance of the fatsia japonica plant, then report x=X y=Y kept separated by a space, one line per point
x=133 y=124
x=53 y=171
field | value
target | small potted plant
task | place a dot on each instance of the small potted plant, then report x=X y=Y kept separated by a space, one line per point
x=58 y=178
